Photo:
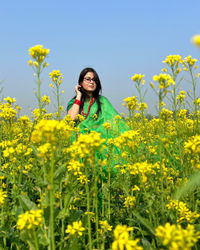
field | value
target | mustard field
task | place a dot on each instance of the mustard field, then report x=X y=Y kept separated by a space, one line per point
x=62 y=189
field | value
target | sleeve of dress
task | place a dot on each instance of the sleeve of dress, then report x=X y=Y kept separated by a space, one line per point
x=70 y=103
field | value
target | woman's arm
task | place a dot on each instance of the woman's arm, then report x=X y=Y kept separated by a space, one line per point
x=74 y=110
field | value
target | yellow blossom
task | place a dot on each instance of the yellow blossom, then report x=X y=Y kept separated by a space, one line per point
x=176 y=237
x=75 y=228
x=30 y=219
x=196 y=40
x=3 y=195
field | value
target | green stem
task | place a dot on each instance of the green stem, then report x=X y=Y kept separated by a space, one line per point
x=109 y=182
x=194 y=100
x=38 y=88
x=96 y=207
x=52 y=239
x=35 y=240
x=58 y=101
x=88 y=216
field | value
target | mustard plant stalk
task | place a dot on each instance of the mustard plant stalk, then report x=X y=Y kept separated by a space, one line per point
x=52 y=238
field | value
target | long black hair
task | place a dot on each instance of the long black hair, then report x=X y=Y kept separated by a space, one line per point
x=96 y=93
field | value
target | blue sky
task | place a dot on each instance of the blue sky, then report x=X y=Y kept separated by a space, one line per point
x=117 y=38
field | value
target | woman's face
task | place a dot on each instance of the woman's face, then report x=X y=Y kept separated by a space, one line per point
x=88 y=83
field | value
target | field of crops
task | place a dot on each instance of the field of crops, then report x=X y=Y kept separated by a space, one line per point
x=60 y=189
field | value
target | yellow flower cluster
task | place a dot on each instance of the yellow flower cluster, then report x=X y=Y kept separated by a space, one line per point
x=129 y=201
x=86 y=145
x=75 y=167
x=172 y=60
x=107 y=125
x=192 y=150
x=142 y=169
x=45 y=151
x=75 y=228
x=3 y=195
x=122 y=239
x=7 y=112
x=196 y=40
x=166 y=114
x=128 y=138
x=38 y=53
x=24 y=121
x=192 y=146
x=182 y=114
x=45 y=99
x=12 y=149
x=10 y=100
x=30 y=219
x=164 y=80
x=142 y=106
x=181 y=97
x=183 y=211
x=131 y=102
x=138 y=78
x=49 y=131
x=197 y=101
x=56 y=77
x=189 y=61
x=104 y=226
x=176 y=237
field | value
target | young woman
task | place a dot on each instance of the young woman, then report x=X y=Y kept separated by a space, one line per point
x=96 y=109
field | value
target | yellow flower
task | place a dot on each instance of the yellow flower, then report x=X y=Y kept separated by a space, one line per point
x=38 y=53
x=48 y=130
x=56 y=77
x=142 y=106
x=30 y=219
x=3 y=195
x=105 y=227
x=166 y=114
x=176 y=237
x=9 y=100
x=138 y=78
x=75 y=228
x=164 y=70
x=122 y=240
x=45 y=99
x=107 y=125
x=35 y=64
x=164 y=80
x=183 y=212
x=196 y=40
x=86 y=145
x=172 y=60
x=30 y=62
x=189 y=61
x=131 y=102
x=129 y=201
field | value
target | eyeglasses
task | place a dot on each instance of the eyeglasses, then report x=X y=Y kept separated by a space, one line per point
x=88 y=79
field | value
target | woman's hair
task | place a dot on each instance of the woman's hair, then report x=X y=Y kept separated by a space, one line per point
x=97 y=90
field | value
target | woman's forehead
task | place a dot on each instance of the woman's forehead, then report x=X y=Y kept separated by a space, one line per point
x=89 y=74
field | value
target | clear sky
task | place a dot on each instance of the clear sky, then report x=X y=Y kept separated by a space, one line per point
x=117 y=38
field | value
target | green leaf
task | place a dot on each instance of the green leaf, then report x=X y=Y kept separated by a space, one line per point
x=187 y=188
x=61 y=169
x=26 y=203
x=144 y=222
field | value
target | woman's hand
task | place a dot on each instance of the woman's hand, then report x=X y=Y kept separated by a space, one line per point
x=78 y=92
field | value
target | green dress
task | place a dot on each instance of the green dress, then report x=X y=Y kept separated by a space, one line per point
x=107 y=114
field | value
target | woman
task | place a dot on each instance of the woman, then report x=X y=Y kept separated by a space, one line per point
x=96 y=109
